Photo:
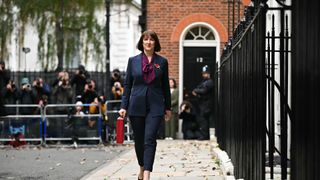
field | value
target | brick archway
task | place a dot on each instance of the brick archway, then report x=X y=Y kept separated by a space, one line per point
x=199 y=17
x=246 y=2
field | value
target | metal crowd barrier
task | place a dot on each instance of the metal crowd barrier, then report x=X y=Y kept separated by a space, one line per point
x=47 y=128
x=113 y=107
x=55 y=125
x=20 y=123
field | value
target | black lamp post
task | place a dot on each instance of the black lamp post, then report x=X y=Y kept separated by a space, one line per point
x=107 y=4
x=26 y=50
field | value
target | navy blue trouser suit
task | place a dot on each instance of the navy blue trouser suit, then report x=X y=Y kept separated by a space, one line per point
x=145 y=133
x=146 y=104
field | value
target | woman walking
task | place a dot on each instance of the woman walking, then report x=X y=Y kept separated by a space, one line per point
x=146 y=99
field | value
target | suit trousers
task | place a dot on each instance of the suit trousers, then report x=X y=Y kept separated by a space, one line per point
x=145 y=134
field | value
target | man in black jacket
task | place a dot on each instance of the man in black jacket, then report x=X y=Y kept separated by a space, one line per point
x=204 y=92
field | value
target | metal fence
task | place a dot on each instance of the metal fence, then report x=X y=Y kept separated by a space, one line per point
x=241 y=121
x=55 y=123
x=279 y=114
x=112 y=114
x=28 y=125
x=67 y=127
x=305 y=91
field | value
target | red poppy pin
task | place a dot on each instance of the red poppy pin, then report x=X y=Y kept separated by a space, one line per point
x=157 y=66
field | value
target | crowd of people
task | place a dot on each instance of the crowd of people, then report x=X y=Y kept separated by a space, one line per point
x=77 y=88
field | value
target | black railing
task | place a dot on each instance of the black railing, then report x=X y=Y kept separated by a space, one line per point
x=305 y=91
x=279 y=114
x=241 y=97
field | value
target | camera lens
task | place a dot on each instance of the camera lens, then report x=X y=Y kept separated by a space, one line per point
x=64 y=82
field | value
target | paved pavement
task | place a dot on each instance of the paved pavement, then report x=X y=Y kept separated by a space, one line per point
x=63 y=163
x=175 y=159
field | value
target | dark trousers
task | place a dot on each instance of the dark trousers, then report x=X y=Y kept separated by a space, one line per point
x=145 y=133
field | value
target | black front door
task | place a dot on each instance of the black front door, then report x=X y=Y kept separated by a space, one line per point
x=194 y=59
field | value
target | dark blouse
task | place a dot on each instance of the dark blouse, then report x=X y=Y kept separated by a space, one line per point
x=148 y=69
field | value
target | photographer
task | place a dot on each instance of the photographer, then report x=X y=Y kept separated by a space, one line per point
x=10 y=95
x=26 y=96
x=40 y=88
x=62 y=94
x=117 y=91
x=89 y=93
x=80 y=79
x=190 y=127
x=116 y=76
x=4 y=75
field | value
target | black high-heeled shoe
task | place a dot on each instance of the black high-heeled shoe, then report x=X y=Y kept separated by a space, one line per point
x=140 y=179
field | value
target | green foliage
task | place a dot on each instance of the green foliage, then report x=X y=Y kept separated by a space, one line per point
x=6 y=27
x=64 y=27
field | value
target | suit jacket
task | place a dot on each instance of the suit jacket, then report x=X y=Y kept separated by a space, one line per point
x=175 y=100
x=138 y=94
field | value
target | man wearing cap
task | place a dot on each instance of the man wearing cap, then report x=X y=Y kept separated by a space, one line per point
x=204 y=93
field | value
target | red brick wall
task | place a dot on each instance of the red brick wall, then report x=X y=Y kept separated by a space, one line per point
x=169 y=17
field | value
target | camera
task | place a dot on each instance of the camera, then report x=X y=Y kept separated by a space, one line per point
x=38 y=83
x=64 y=82
x=101 y=99
x=13 y=85
x=90 y=86
x=2 y=65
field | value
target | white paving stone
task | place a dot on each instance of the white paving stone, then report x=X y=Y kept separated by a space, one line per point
x=177 y=159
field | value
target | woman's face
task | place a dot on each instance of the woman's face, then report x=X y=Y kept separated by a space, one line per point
x=148 y=43
x=171 y=83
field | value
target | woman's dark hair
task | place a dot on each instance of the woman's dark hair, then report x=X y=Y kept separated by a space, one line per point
x=174 y=82
x=154 y=36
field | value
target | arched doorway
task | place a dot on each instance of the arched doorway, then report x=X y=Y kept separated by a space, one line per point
x=199 y=47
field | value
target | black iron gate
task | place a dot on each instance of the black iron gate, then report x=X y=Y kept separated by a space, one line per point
x=306 y=90
x=263 y=95
x=241 y=121
x=278 y=74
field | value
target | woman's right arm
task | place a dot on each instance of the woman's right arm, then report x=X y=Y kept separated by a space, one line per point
x=127 y=89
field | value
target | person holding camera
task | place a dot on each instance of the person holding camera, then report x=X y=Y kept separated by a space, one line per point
x=26 y=96
x=40 y=88
x=89 y=93
x=116 y=77
x=10 y=95
x=117 y=91
x=4 y=75
x=62 y=94
x=190 y=127
x=79 y=80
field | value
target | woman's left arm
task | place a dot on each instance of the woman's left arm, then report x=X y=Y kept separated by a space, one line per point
x=166 y=87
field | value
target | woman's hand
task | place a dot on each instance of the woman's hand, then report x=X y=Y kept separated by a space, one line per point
x=122 y=112
x=167 y=116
